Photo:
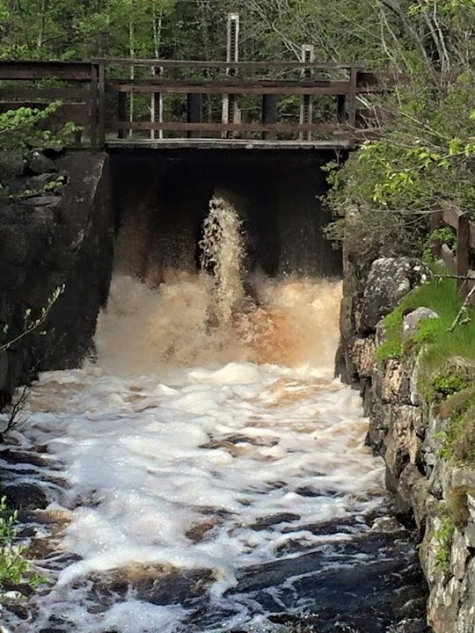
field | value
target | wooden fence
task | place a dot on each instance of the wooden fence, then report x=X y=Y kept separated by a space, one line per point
x=126 y=100
x=458 y=262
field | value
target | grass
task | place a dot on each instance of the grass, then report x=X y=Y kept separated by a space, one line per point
x=447 y=361
x=443 y=537
x=433 y=335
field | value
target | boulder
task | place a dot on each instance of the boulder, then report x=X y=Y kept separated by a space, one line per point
x=38 y=163
x=389 y=280
x=412 y=320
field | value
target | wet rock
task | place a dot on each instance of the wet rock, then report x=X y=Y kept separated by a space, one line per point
x=16 y=607
x=409 y=626
x=389 y=280
x=156 y=584
x=25 y=497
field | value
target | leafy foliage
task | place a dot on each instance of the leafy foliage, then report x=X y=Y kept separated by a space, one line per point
x=21 y=128
x=14 y=567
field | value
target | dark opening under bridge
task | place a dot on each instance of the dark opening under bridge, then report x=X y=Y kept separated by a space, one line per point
x=206 y=104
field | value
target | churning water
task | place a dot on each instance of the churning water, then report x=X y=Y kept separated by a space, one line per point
x=206 y=473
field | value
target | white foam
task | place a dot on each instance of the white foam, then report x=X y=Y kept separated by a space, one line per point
x=148 y=457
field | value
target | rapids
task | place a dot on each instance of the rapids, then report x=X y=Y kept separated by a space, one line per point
x=205 y=472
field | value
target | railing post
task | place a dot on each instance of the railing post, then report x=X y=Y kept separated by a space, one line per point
x=121 y=112
x=269 y=114
x=102 y=105
x=341 y=107
x=193 y=111
x=93 y=105
x=352 y=104
x=156 y=99
x=463 y=251
x=308 y=56
x=232 y=56
x=436 y=244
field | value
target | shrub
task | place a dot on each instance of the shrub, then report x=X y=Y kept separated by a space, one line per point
x=14 y=567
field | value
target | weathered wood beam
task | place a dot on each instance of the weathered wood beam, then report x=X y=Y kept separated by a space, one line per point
x=29 y=70
x=231 y=127
x=332 y=88
x=28 y=94
x=167 y=63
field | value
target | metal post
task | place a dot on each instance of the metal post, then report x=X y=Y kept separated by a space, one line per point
x=308 y=56
x=156 y=104
x=232 y=56
x=269 y=114
x=193 y=112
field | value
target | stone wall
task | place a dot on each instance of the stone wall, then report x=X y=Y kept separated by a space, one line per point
x=56 y=232
x=438 y=496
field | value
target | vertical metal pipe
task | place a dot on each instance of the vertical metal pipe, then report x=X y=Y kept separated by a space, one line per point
x=232 y=56
x=306 y=109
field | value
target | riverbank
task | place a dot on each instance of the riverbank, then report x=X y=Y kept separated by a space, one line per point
x=419 y=409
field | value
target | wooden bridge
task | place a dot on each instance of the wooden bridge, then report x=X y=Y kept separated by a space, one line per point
x=162 y=103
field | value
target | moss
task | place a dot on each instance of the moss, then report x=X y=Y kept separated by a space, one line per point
x=392 y=346
x=458 y=505
x=447 y=361
x=459 y=438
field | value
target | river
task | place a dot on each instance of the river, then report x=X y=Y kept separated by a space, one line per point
x=205 y=472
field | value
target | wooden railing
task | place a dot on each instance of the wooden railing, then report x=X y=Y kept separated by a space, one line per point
x=36 y=84
x=458 y=262
x=165 y=99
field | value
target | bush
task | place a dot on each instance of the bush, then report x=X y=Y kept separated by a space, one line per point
x=14 y=567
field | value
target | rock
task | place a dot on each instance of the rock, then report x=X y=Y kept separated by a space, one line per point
x=459 y=477
x=458 y=556
x=409 y=626
x=152 y=583
x=25 y=497
x=12 y=164
x=53 y=151
x=38 y=163
x=37 y=183
x=42 y=201
x=362 y=353
x=412 y=495
x=411 y=321
x=389 y=280
x=15 y=244
x=381 y=334
x=378 y=426
x=395 y=382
